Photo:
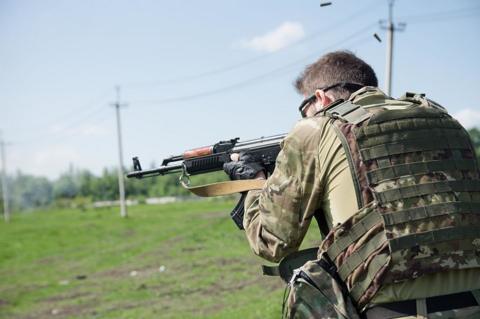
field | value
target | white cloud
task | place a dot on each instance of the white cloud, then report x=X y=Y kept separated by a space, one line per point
x=468 y=117
x=286 y=34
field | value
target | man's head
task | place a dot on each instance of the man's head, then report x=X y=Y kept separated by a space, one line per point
x=334 y=76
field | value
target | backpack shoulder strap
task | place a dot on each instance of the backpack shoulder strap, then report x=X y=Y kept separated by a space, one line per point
x=347 y=112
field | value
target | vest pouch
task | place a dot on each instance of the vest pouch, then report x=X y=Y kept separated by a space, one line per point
x=315 y=292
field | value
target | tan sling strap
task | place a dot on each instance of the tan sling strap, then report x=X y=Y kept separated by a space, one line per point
x=226 y=188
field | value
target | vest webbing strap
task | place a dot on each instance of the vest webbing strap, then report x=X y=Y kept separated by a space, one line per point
x=433 y=133
x=394 y=171
x=438 y=251
x=413 y=113
x=357 y=116
x=470 y=256
x=418 y=145
x=422 y=212
x=359 y=256
x=373 y=129
x=357 y=231
x=428 y=188
x=289 y=263
x=349 y=112
x=354 y=260
x=270 y=270
x=373 y=268
x=438 y=235
x=340 y=108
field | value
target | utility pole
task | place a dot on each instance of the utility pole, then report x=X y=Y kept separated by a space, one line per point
x=6 y=207
x=121 y=184
x=391 y=28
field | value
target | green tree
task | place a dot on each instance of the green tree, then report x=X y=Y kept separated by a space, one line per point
x=66 y=186
x=85 y=180
x=29 y=191
x=105 y=187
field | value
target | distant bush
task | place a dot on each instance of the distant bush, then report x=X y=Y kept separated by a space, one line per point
x=80 y=188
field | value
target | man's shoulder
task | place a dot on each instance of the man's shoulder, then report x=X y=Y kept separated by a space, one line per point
x=309 y=126
x=309 y=132
x=372 y=97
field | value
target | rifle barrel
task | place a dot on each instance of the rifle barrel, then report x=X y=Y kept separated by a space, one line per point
x=156 y=171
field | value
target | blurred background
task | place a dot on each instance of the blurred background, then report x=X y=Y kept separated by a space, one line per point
x=183 y=74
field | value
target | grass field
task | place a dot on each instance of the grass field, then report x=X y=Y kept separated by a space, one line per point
x=184 y=260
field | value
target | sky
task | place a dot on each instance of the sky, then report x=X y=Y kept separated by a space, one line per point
x=192 y=73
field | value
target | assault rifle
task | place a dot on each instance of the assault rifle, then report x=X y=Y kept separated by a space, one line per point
x=211 y=158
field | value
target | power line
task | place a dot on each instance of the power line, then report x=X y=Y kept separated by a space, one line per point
x=70 y=132
x=255 y=79
x=444 y=18
x=73 y=113
x=336 y=25
x=391 y=28
x=63 y=131
x=80 y=120
x=442 y=14
x=425 y=18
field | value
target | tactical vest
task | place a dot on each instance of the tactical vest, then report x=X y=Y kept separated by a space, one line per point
x=417 y=183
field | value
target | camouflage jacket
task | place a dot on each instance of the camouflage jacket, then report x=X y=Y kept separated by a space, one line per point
x=312 y=174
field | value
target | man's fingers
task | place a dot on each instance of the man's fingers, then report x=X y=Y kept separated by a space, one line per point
x=234 y=157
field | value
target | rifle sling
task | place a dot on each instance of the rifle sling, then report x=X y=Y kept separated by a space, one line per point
x=226 y=188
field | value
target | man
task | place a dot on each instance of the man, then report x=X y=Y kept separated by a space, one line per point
x=397 y=184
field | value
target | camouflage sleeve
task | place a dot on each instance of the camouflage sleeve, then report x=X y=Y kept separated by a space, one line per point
x=277 y=218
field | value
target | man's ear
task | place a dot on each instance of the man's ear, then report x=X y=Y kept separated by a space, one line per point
x=323 y=98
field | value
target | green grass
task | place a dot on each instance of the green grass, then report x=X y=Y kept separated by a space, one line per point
x=210 y=271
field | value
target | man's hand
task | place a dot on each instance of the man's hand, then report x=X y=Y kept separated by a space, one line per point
x=244 y=166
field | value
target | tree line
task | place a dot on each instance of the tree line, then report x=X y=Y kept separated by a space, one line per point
x=80 y=187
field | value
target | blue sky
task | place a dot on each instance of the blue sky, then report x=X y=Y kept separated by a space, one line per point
x=195 y=72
